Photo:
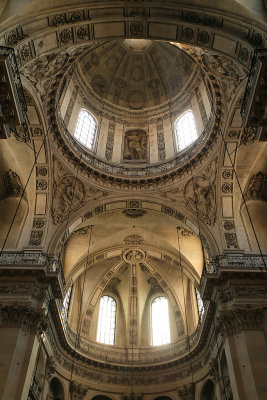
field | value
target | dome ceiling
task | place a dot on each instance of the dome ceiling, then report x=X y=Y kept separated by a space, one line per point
x=137 y=74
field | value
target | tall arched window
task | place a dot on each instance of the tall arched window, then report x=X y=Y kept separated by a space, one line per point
x=85 y=129
x=160 y=321
x=106 y=320
x=185 y=130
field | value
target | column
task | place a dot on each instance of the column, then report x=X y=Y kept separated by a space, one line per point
x=246 y=351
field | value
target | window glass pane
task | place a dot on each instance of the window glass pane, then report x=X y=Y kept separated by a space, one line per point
x=85 y=129
x=160 y=322
x=200 y=304
x=185 y=130
x=106 y=320
x=66 y=302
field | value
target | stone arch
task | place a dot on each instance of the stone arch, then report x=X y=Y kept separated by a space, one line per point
x=185 y=218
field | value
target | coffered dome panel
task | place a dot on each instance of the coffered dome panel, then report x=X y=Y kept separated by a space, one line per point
x=137 y=75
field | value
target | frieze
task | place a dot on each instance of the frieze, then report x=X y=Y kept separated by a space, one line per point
x=232 y=293
x=238 y=261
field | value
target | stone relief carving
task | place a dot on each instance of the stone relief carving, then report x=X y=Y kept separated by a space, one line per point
x=134 y=212
x=110 y=141
x=113 y=283
x=154 y=283
x=161 y=141
x=185 y=232
x=131 y=256
x=231 y=240
x=21 y=133
x=133 y=240
x=135 y=146
x=40 y=71
x=200 y=197
x=257 y=188
x=36 y=238
x=68 y=194
x=248 y=135
x=13 y=184
x=226 y=70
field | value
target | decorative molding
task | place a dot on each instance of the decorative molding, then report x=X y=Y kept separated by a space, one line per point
x=161 y=141
x=25 y=317
x=110 y=141
x=234 y=321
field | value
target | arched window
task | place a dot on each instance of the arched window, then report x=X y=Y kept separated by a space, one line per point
x=160 y=321
x=185 y=130
x=106 y=320
x=85 y=129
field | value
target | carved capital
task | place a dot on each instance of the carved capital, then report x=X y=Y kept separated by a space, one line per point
x=232 y=322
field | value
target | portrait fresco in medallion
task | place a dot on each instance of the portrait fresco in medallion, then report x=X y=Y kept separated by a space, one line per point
x=135 y=146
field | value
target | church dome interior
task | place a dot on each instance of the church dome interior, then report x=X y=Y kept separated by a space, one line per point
x=133 y=199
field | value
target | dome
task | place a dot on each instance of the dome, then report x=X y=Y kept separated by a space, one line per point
x=134 y=91
x=137 y=74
